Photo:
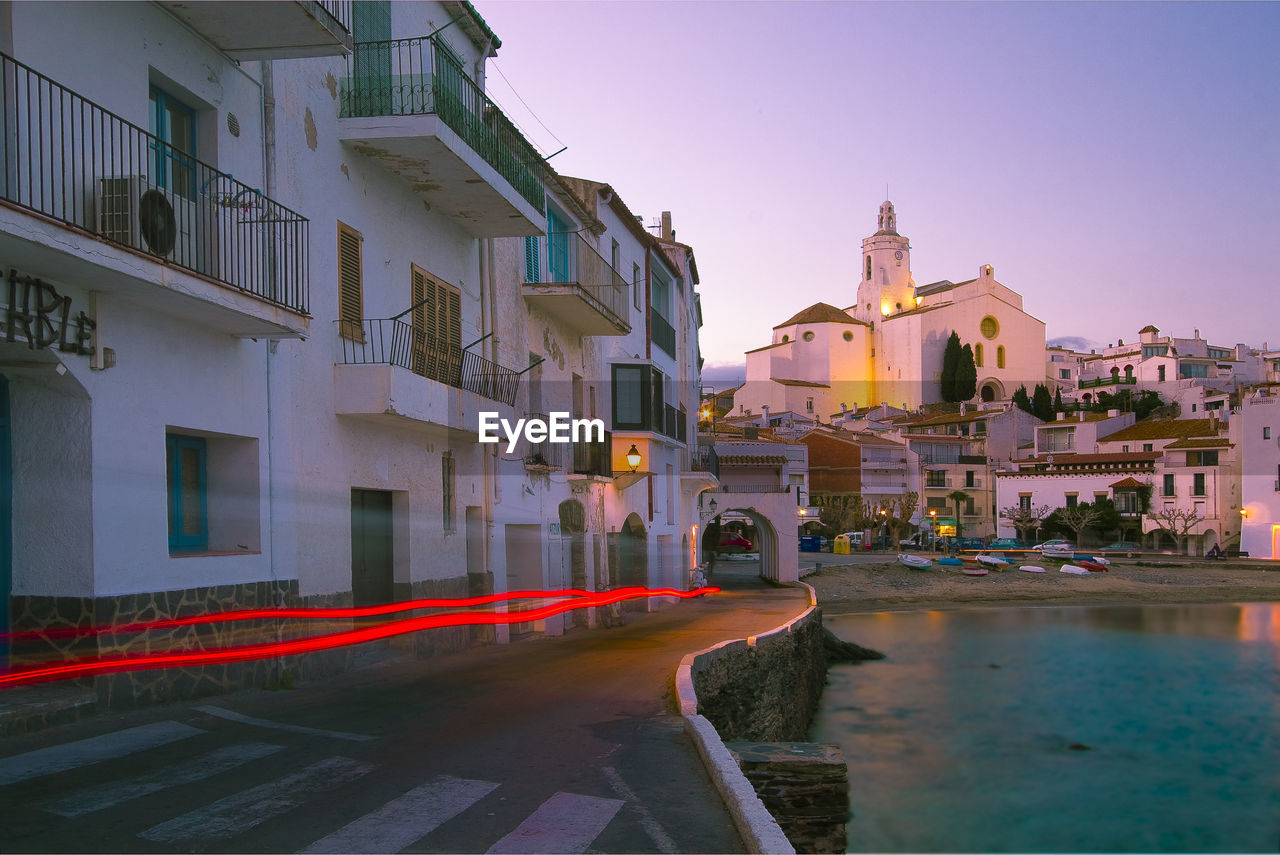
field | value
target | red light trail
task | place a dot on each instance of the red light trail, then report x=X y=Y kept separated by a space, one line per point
x=110 y=663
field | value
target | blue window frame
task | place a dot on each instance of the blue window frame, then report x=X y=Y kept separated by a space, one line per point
x=173 y=164
x=186 y=458
x=559 y=233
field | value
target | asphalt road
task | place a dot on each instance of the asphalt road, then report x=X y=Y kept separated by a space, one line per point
x=566 y=744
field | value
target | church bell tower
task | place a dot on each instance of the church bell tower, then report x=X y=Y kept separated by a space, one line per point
x=885 y=287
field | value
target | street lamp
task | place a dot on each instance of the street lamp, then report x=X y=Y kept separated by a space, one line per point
x=633 y=457
x=933 y=529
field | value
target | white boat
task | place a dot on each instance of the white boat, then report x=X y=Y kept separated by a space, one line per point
x=993 y=561
x=1031 y=568
x=973 y=570
x=915 y=562
x=1074 y=570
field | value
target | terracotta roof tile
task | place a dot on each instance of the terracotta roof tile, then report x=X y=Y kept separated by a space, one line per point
x=1125 y=483
x=1163 y=429
x=819 y=313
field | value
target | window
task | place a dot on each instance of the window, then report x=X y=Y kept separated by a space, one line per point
x=447 y=484
x=187 y=478
x=1072 y=500
x=1000 y=356
x=1058 y=439
x=868 y=271
x=990 y=327
x=437 y=327
x=968 y=478
x=1193 y=370
x=1148 y=446
x=808 y=405
x=1160 y=373
x=1064 y=373
x=807 y=336
x=1024 y=501
x=173 y=164
x=977 y=355
x=1266 y=432
x=939 y=502
x=1193 y=408
x=660 y=298
x=350 y=284
x=786 y=338
x=559 y=233
x=1168 y=485
x=1202 y=458
x=935 y=478
x=615 y=256
x=1197 y=484
x=637 y=291
x=980 y=428
x=1126 y=502
x=968 y=506
x=638 y=398
x=848 y=336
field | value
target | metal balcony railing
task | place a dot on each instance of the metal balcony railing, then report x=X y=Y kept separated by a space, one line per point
x=753 y=488
x=66 y=158
x=419 y=76
x=704 y=459
x=392 y=342
x=1114 y=380
x=339 y=10
x=569 y=258
x=664 y=335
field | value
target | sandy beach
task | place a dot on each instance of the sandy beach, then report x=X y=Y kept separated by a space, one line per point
x=888 y=586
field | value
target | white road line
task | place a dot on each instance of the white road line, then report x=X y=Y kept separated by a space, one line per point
x=651 y=826
x=403 y=820
x=294 y=728
x=247 y=809
x=194 y=769
x=84 y=752
x=564 y=823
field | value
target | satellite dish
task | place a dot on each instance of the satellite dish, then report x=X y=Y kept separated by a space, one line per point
x=156 y=222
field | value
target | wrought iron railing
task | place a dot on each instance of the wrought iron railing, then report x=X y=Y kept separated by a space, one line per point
x=594 y=458
x=1121 y=380
x=671 y=417
x=68 y=159
x=704 y=459
x=569 y=258
x=753 y=488
x=339 y=10
x=393 y=342
x=664 y=335
x=418 y=76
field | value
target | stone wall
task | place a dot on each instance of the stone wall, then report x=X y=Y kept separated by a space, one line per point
x=765 y=688
x=804 y=785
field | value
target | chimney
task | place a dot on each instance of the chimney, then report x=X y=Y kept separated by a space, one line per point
x=1062 y=417
x=1197 y=333
x=667 y=233
x=1111 y=414
x=843 y=408
x=764 y=408
x=1081 y=415
x=962 y=407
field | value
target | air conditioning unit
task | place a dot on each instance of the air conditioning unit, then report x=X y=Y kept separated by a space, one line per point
x=138 y=214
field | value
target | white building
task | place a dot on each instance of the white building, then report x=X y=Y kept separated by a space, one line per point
x=1255 y=430
x=887 y=347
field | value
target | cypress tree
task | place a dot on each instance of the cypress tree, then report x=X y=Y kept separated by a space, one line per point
x=950 y=361
x=966 y=375
x=1042 y=403
x=1022 y=400
x=1057 y=400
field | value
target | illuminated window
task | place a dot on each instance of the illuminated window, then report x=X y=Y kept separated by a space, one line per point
x=990 y=327
x=1000 y=356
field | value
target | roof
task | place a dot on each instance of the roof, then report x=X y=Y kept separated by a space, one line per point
x=751 y=460
x=590 y=191
x=474 y=25
x=1163 y=429
x=1127 y=483
x=948 y=418
x=1070 y=459
x=819 y=313
x=768 y=346
x=1148 y=328
x=1201 y=442
x=1074 y=419
x=808 y=383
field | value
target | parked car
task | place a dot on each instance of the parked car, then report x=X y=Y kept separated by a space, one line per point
x=1128 y=547
x=1009 y=544
x=731 y=539
x=915 y=541
x=1060 y=545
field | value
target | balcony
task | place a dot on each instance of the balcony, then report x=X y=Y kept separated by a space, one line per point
x=894 y=465
x=593 y=458
x=664 y=335
x=278 y=30
x=387 y=368
x=1113 y=380
x=575 y=284
x=219 y=252
x=704 y=459
x=409 y=104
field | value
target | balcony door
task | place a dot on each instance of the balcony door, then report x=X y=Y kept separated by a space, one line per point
x=371 y=59
x=559 y=233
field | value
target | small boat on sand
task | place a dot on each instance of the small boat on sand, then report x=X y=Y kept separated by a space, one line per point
x=1094 y=566
x=973 y=570
x=915 y=562
x=1031 y=568
x=1074 y=570
x=950 y=562
x=993 y=562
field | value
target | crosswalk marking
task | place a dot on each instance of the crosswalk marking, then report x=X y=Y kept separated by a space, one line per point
x=403 y=820
x=565 y=823
x=194 y=769
x=293 y=728
x=84 y=752
x=247 y=809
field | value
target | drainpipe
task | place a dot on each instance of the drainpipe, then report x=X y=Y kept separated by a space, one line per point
x=268 y=130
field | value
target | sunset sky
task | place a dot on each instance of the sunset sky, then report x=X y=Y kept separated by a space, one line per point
x=1118 y=164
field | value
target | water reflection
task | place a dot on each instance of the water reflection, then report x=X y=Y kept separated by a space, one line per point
x=1116 y=728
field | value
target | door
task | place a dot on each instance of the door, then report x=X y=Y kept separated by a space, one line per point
x=524 y=569
x=372 y=570
x=6 y=521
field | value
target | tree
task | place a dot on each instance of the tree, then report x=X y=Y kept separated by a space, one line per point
x=1178 y=522
x=1057 y=400
x=1042 y=403
x=1078 y=518
x=1022 y=400
x=1025 y=519
x=841 y=513
x=898 y=513
x=958 y=496
x=950 y=362
x=966 y=375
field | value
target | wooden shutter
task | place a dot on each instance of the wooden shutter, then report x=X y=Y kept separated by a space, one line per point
x=418 y=294
x=437 y=323
x=350 y=284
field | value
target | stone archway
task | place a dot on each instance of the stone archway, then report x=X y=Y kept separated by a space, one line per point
x=774 y=517
x=991 y=390
x=629 y=562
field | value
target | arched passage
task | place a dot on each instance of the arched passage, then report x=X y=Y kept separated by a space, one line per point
x=991 y=390
x=629 y=559
x=774 y=518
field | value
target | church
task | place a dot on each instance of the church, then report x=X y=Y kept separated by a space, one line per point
x=887 y=347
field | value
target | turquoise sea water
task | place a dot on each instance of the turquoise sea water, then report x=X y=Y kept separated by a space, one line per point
x=1081 y=729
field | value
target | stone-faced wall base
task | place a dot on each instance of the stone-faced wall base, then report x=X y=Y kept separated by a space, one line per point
x=804 y=785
